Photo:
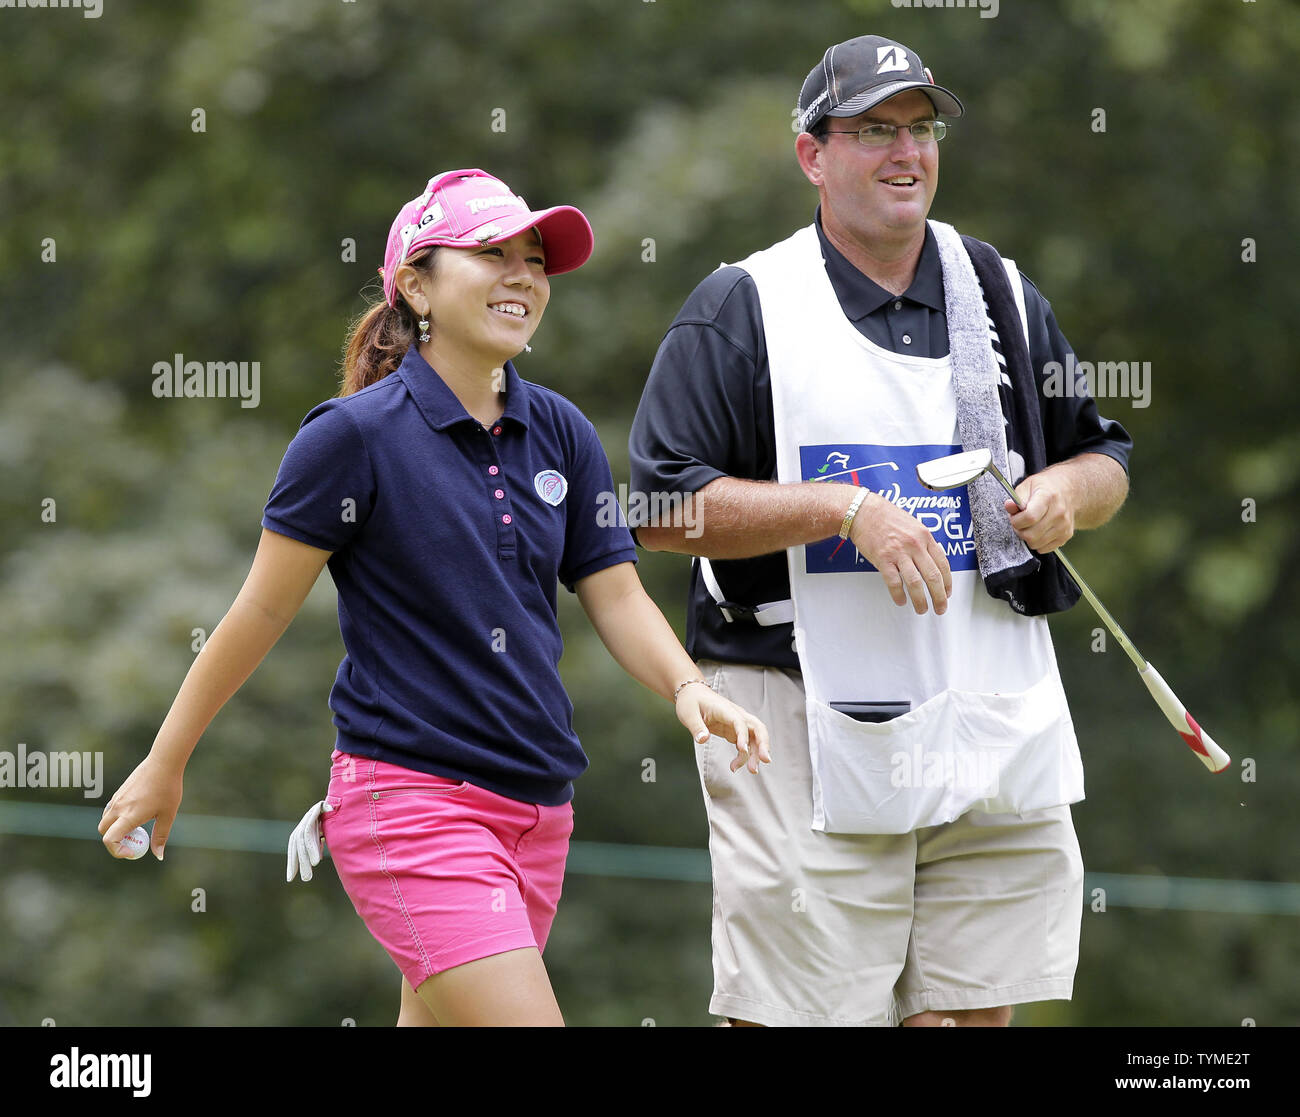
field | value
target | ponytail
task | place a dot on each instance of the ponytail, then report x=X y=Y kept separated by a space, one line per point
x=380 y=336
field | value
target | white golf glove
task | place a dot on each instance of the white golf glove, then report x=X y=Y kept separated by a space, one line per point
x=306 y=843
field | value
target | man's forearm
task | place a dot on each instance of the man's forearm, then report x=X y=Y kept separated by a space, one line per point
x=1098 y=486
x=737 y=519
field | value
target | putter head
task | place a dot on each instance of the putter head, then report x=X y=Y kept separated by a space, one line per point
x=953 y=471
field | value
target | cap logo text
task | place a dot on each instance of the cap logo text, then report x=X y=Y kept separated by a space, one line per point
x=495 y=201
x=811 y=110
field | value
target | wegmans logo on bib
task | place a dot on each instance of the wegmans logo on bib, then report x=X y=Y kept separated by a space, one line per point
x=889 y=471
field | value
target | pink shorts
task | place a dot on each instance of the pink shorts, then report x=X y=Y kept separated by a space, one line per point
x=442 y=872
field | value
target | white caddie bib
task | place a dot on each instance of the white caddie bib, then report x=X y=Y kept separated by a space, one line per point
x=912 y=721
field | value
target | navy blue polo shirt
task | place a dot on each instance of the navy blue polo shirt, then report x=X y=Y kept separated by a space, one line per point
x=447 y=540
x=706 y=412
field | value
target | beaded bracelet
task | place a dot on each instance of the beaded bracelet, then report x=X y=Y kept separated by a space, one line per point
x=687 y=683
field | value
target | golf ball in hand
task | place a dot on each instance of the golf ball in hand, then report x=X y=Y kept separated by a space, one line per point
x=135 y=845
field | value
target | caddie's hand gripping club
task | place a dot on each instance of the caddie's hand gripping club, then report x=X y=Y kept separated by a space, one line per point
x=961 y=469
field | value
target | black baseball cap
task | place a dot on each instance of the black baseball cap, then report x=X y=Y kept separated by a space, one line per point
x=857 y=74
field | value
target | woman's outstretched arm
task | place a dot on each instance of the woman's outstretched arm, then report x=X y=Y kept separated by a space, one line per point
x=282 y=575
x=644 y=644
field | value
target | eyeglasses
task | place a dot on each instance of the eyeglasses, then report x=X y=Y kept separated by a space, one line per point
x=878 y=135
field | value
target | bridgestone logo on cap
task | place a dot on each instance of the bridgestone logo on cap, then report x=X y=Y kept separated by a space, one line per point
x=890 y=58
x=807 y=113
x=495 y=201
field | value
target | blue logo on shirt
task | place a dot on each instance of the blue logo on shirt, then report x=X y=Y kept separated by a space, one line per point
x=889 y=471
x=551 y=486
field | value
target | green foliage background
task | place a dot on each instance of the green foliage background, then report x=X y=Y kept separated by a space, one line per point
x=667 y=120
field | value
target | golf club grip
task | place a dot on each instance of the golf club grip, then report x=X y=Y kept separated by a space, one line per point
x=964 y=468
x=1200 y=742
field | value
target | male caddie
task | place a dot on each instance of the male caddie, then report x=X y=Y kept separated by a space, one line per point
x=912 y=857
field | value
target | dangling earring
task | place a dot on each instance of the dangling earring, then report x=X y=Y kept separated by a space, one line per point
x=528 y=348
x=424 y=329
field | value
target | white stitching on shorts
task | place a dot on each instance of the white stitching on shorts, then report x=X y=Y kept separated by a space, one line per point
x=383 y=868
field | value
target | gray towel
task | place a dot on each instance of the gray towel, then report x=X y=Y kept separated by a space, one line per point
x=979 y=407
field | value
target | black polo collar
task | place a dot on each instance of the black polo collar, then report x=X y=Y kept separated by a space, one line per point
x=860 y=296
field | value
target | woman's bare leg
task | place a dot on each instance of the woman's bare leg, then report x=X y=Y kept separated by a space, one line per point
x=414 y=1013
x=501 y=990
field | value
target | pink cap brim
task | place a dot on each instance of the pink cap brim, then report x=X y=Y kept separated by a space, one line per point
x=565 y=232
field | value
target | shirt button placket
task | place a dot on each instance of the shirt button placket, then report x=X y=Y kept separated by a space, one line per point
x=505 y=533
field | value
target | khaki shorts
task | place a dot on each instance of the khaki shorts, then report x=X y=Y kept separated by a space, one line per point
x=828 y=929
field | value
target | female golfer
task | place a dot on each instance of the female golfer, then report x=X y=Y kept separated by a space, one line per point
x=447 y=496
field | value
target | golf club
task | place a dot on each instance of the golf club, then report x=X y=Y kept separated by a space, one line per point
x=961 y=469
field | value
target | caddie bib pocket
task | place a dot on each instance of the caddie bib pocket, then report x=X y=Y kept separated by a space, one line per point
x=959 y=751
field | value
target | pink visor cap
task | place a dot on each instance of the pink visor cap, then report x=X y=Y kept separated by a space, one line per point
x=468 y=208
